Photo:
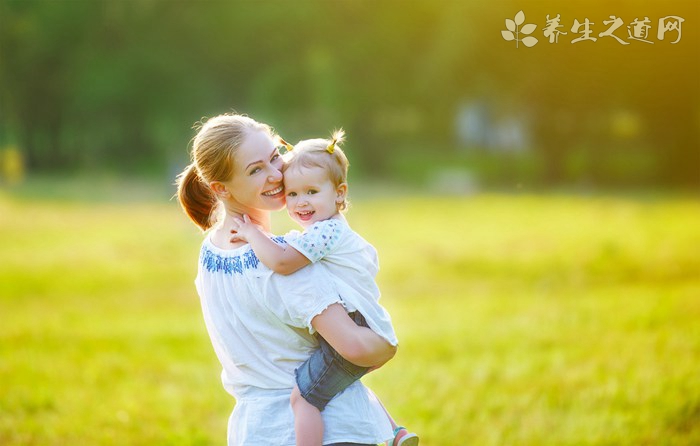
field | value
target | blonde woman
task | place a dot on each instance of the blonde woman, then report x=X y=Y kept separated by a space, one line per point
x=262 y=324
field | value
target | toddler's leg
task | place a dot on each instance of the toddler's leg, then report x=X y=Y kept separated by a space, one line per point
x=320 y=378
x=308 y=424
x=402 y=437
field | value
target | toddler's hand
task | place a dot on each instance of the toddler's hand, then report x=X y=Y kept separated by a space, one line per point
x=243 y=229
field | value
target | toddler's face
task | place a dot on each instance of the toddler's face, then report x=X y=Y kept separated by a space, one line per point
x=311 y=196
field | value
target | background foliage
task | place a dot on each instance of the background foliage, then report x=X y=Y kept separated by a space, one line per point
x=96 y=85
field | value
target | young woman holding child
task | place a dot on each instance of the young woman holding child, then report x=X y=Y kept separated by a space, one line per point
x=263 y=324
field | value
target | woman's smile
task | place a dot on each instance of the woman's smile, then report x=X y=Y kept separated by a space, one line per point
x=276 y=191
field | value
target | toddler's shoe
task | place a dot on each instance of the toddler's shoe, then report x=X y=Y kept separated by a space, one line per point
x=402 y=437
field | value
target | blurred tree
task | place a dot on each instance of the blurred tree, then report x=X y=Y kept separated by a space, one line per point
x=91 y=84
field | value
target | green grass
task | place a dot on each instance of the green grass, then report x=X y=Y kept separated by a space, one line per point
x=523 y=320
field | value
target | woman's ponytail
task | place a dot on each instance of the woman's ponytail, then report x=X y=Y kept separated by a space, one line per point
x=195 y=197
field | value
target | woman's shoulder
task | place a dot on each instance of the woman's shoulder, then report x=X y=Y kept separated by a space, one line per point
x=220 y=243
x=216 y=241
x=235 y=259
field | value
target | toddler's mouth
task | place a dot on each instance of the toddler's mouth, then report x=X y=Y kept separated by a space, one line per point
x=305 y=215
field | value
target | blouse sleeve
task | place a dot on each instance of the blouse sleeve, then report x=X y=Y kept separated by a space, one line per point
x=319 y=240
x=301 y=296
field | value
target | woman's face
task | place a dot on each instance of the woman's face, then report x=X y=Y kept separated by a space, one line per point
x=257 y=179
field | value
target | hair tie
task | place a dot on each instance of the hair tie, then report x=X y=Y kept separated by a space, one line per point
x=286 y=145
x=331 y=147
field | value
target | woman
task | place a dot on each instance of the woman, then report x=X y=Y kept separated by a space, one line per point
x=261 y=324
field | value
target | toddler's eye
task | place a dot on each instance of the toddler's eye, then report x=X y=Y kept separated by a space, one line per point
x=312 y=191
x=292 y=194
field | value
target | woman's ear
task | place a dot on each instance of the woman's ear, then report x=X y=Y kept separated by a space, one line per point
x=340 y=192
x=219 y=189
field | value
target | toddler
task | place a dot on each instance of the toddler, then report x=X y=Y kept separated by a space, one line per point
x=315 y=184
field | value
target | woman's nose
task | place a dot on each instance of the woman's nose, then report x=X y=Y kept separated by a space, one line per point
x=275 y=176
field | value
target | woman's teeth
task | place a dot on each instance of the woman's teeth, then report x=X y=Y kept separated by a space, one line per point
x=273 y=192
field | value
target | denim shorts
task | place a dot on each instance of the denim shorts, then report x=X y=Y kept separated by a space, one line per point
x=325 y=374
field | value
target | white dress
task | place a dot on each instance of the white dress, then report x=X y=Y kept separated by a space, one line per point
x=353 y=266
x=259 y=323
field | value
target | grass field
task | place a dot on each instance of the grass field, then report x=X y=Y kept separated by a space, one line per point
x=523 y=320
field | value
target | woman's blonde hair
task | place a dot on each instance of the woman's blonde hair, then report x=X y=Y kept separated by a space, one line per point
x=323 y=153
x=213 y=148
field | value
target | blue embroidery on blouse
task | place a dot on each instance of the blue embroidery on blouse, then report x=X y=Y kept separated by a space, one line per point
x=214 y=262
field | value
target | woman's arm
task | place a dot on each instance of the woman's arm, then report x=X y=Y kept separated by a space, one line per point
x=359 y=345
x=280 y=259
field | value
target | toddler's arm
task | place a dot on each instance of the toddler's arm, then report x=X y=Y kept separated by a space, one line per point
x=281 y=259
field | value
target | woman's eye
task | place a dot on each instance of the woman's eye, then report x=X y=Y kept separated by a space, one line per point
x=254 y=171
x=275 y=157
